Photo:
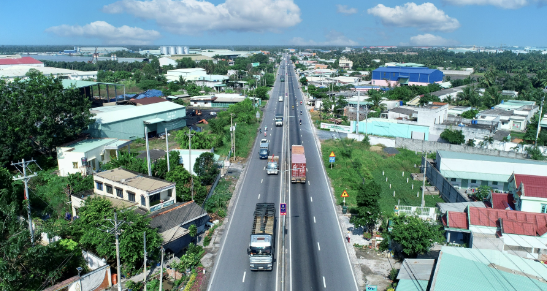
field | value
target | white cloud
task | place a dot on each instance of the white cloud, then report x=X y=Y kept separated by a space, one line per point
x=425 y=17
x=192 y=17
x=431 y=40
x=332 y=37
x=108 y=33
x=344 y=9
x=507 y=4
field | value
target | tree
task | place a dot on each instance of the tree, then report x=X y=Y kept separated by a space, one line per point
x=193 y=230
x=200 y=140
x=206 y=168
x=453 y=136
x=262 y=92
x=304 y=81
x=483 y=192
x=38 y=114
x=415 y=235
x=160 y=167
x=470 y=142
x=128 y=161
x=182 y=178
x=535 y=153
x=367 y=205
x=470 y=114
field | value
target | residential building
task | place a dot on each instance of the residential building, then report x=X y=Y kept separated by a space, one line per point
x=211 y=81
x=395 y=76
x=85 y=156
x=427 y=115
x=345 y=63
x=174 y=221
x=148 y=192
x=513 y=114
x=20 y=62
x=471 y=170
x=147 y=101
x=451 y=93
x=129 y=122
x=510 y=93
x=529 y=192
x=320 y=66
x=473 y=269
x=458 y=110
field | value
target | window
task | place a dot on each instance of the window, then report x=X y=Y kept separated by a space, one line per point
x=143 y=201
x=119 y=192
x=170 y=193
x=75 y=165
x=474 y=181
x=154 y=199
x=543 y=208
x=99 y=185
x=453 y=179
x=494 y=183
x=131 y=196
x=108 y=189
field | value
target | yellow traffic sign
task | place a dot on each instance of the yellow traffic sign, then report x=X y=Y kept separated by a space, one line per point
x=332 y=154
x=345 y=194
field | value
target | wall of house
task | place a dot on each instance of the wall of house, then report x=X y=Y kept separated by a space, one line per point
x=531 y=204
x=468 y=183
x=65 y=159
x=490 y=167
x=381 y=127
x=431 y=117
x=93 y=261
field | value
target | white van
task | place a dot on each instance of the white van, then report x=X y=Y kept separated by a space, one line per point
x=280 y=98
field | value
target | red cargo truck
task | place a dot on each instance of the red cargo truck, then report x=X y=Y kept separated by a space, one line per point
x=298 y=164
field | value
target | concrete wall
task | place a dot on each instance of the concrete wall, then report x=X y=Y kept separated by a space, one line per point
x=93 y=261
x=447 y=190
x=382 y=127
x=374 y=140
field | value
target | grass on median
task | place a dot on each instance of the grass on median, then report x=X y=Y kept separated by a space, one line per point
x=354 y=162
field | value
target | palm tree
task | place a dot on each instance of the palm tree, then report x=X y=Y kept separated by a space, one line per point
x=376 y=99
x=488 y=140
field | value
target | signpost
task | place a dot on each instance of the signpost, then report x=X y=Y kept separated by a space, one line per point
x=283 y=208
x=344 y=195
x=332 y=158
x=257 y=116
x=371 y=288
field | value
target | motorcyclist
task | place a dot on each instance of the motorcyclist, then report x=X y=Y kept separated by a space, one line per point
x=300 y=121
x=300 y=112
x=266 y=128
x=300 y=102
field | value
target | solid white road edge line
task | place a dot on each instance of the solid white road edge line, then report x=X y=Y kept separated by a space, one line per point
x=245 y=273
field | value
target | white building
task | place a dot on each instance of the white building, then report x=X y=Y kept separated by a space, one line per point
x=21 y=72
x=427 y=115
x=513 y=114
x=167 y=61
x=173 y=75
x=345 y=63
x=186 y=159
x=85 y=156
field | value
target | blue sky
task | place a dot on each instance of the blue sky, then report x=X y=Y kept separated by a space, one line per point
x=275 y=22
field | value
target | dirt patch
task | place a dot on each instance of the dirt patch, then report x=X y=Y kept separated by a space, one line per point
x=376 y=267
x=375 y=148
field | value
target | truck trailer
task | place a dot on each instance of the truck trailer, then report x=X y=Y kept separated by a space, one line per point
x=298 y=164
x=264 y=150
x=261 y=246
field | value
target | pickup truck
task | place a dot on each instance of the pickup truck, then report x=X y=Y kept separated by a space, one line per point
x=273 y=165
x=278 y=120
x=264 y=149
x=280 y=98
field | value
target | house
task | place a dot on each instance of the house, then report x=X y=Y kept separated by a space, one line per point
x=345 y=63
x=96 y=280
x=173 y=224
x=510 y=93
x=220 y=100
x=459 y=268
x=451 y=93
x=394 y=76
x=149 y=193
x=86 y=155
x=513 y=114
x=129 y=122
x=458 y=110
x=529 y=192
x=147 y=101
x=471 y=170
x=430 y=114
x=320 y=66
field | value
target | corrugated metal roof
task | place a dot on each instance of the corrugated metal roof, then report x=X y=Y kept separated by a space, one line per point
x=475 y=157
x=412 y=285
x=486 y=270
x=459 y=206
x=20 y=61
x=85 y=145
x=129 y=112
x=475 y=176
x=416 y=269
x=407 y=70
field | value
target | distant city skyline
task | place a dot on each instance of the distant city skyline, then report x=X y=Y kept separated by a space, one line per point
x=275 y=22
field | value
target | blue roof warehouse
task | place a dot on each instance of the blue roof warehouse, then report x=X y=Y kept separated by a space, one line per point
x=394 y=76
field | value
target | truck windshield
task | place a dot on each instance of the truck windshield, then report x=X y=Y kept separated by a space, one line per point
x=263 y=251
x=272 y=166
x=263 y=151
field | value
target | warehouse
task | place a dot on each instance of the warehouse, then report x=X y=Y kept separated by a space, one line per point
x=20 y=62
x=128 y=122
x=394 y=76
x=472 y=171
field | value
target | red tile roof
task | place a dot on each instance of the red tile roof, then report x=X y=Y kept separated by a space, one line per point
x=534 y=186
x=490 y=217
x=149 y=100
x=457 y=220
x=519 y=227
x=502 y=201
x=20 y=61
x=437 y=103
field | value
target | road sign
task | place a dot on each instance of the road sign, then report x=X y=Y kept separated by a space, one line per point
x=332 y=154
x=283 y=208
x=257 y=115
x=345 y=194
x=371 y=288
x=331 y=159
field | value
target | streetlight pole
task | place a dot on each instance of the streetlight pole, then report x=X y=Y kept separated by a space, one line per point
x=189 y=134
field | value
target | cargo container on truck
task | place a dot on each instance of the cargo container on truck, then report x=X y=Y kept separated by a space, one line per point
x=273 y=165
x=298 y=164
x=264 y=150
x=261 y=246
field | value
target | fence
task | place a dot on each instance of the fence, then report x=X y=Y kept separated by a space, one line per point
x=433 y=146
x=448 y=192
x=211 y=191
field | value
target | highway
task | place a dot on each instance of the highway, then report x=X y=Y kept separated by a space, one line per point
x=315 y=250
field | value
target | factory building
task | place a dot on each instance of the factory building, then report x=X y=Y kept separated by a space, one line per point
x=394 y=76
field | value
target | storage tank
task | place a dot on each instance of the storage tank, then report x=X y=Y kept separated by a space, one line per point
x=172 y=50
x=180 y=50
x=186 y=50
x=164 y=50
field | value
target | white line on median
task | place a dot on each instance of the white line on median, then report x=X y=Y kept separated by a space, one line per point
x=311 y=199
x=313 y=217
x=262 y=180
x=245 y=273
x=318 y=246
x=309 y=182
x=258 y=196
x=324 y=283
x=264 y=168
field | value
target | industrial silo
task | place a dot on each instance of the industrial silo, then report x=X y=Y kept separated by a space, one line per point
x=164 y=50
x=172 y=50
x=186 y=50
x=180 y=50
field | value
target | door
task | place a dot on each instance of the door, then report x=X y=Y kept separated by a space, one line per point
x=465 y=183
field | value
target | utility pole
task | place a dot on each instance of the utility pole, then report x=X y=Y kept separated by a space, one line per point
x=117 y=231
x=357 y=124
x=147 y=152
x=423 y=186
x=539 y=119
x=161 y=268
x=145 y=261
x=23 y=165
x=189 y=134
x=167 y=149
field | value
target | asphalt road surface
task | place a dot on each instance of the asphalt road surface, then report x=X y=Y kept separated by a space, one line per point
x=315 y=256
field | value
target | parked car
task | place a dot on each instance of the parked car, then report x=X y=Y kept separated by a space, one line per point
x=213 y=113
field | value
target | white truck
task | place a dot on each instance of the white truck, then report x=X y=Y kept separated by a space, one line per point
x=278 y=120
x=273 y=165
x=280 y=98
